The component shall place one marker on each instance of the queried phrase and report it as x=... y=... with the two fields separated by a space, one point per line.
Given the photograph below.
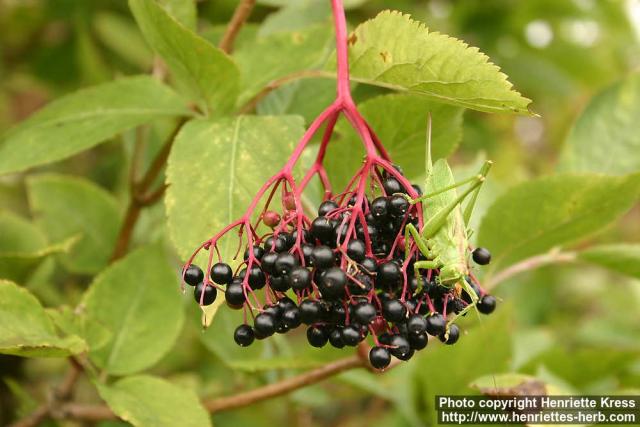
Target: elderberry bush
x=345 y=275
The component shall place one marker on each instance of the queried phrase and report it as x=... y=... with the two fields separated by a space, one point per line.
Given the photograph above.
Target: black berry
x=317 y=336
x=193 y=275
x=221 y=273
x=299 y=279
x=486 y=304
x=244 y=335
x=209 y=296
x=265 y=323
x=436 y=324
x=379 y=357
x=394 y=310
x=326 y=207
x=322 y=257
x=356 y=250
x=454 y=334
x=234 y=294
x=309 y=311
x=364 y=312
x=481 y=256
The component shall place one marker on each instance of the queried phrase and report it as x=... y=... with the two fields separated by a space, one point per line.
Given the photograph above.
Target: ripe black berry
x=379 y=357
x=309 y=311
x=399 y=206
x=356 y=250
x=326 y=207
x=279 y=283
x=370 y=265
x=322 y=229
x=364 y=312
x=299 y=279
x=332 y=283
x=307 y=250
x=481 y=256
x=285 y=263
x=210 y=294
x=486 y=304
x=335 y=338
x=351 y=335
x=258 y=252
x=291 y=318
x=418 y=341
x=257 y=279
x=265 y=323
x=380 y=208
x=275 y=244
x=436 y=324
x=221 y=273
x=400 y=347
x=193 y=275
x=244 y=335
x=392 y=186
x=322 y=257
x=389 y=274
x=268 y=262
x=416 y=324
x=317 y=336
x=394 y=310
x=454 y=334
x=234 y=294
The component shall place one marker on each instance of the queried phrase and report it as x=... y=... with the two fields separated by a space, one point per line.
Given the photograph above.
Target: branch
x=552 y=257
x=140 y=195
x=285 y=386
x=62 y=393
x=240 y=16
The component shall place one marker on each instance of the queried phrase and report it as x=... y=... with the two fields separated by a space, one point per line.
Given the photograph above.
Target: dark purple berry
x=322 y=229
x=392 y=186
x=351 y=335
x=234 y=294
x=221 y=273
x=400 y=347
x=332 y=283
x=265 y=323
x=436 y=324
x=322 y=257
x=299 y=279
x=418 y=341
x=268 y=262
x=257 y=279
x=307 y=250
x=364 y=312
x=380 y=208
x=258 y=252
x=326 y=207
x=416 y=324
x=309 y=311
x=244 y=335
x=486 y=304
x=379 y=357
x=393 y=310
x=356 y=250
x=481 y=256
x=335 y=338
x=193 y=275
x=389 y=274
x=452 y=338
x=279 y=283
x=285 y=263
x=317 y=336
x=399 y=206
x=370 y=265
x=275 y=244
x=209 y=296
x=291 y=318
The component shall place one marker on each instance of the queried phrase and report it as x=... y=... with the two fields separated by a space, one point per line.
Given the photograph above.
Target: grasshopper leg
x=421 y=242
x=474 y=300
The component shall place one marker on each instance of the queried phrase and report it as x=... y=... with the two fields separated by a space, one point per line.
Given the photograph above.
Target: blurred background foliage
x=575 y=327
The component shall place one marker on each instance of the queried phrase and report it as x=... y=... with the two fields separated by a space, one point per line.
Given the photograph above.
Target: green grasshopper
x=443 y=239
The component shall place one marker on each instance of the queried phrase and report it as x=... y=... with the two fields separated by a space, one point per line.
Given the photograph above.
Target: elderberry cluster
x=345 y=275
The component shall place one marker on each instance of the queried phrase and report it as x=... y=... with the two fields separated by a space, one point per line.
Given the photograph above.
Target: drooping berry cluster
x=345 y=274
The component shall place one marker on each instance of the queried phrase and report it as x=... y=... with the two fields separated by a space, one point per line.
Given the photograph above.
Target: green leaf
x=138 y=300
x=400 y=121
x=306 y=97
x=184 y=11
x=67 y=206
x=205 y=71
x=83 y=119
x=538 y=215
x=281 y=55
x=622 y=257
x=25 y=329
x=465 y=361
x=216 y=167
x=23 y=246
x=147 y=401
x=122 y=37
x=605 y=137
x=76 y=322
x=394 y=51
